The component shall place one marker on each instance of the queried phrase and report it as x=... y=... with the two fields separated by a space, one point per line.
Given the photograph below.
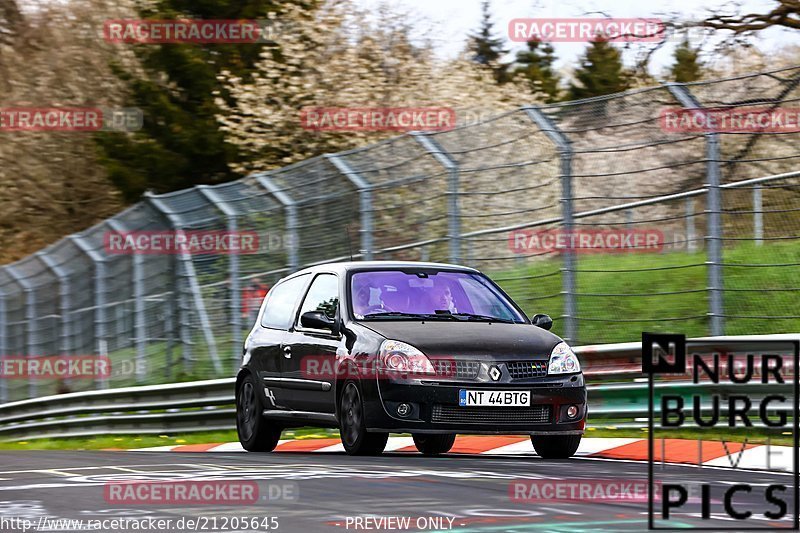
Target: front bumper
x=435 y=407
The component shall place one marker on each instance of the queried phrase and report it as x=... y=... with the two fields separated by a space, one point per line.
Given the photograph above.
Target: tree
x=181 y=144
x=50 y=181
x=341 y=58
x=601 y=72
x=786 y=14
x=487 y=49
x=12 y=22
x=537 y=68
x=687 y=65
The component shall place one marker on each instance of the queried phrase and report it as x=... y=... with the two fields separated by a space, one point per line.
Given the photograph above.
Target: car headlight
x=398 y=356
x=563 y=360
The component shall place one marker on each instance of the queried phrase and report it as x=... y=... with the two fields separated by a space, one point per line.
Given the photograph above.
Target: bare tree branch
x=786 y=14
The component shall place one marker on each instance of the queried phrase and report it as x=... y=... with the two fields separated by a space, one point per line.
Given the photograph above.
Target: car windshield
x=396 y=295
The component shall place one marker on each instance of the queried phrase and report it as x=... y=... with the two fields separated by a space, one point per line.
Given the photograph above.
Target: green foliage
x=536 y=65
x=601 y=72
x=181 y=144
x=641 y=277
x=687 y=65
x=487 y=50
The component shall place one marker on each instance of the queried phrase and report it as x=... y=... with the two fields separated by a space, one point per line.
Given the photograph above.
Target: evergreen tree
x=487 y=49
x=687 y=65
x=601 y=72
x=181 y=143
x=536 y=65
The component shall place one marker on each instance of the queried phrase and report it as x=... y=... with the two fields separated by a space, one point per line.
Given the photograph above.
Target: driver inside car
x=365 y=301
x=443 y=299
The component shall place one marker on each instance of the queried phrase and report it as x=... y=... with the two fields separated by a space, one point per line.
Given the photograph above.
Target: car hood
x=452 y=339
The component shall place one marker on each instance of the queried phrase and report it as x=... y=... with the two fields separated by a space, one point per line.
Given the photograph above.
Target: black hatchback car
x=430 y=349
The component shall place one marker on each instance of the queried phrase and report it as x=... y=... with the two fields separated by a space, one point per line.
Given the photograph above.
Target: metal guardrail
x=208 y=405
x=185 y=407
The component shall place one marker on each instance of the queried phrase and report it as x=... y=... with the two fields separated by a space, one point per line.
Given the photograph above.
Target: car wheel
x=352 y=424
x=434 y=444
x=556 y=446
x=256 y=433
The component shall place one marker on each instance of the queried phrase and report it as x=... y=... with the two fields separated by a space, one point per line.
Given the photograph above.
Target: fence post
x=3 y=343
x=691 y=245
x=233 y=273
x=99 y=262
x=139 y=322
x=564 y=147
x=291 y=217
x=714 y=209
x=758 y=215
x=453 y=205
x=364 y=189
x=31 y=333
x=65 y=305
x=194 y=286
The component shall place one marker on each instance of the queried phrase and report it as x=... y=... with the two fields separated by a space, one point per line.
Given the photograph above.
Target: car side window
x=322 y=296
x=281 y=302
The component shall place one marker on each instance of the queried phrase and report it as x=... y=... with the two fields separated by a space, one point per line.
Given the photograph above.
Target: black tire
x=433 y=444
x=352 y=424
x=556 y=446
x=256 y=433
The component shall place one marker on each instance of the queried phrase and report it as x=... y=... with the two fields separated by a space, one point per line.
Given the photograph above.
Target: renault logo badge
x=494 y=373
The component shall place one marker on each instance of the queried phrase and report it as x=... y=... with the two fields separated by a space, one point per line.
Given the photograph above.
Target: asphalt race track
x=326 y=492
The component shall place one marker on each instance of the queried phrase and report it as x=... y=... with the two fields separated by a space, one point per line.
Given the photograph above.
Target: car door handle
x=287 y=352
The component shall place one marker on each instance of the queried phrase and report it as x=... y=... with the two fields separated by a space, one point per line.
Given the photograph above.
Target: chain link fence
x=722 y=205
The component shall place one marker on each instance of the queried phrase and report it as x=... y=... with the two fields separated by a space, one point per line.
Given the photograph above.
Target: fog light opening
x=403 y=409
x=572 y=411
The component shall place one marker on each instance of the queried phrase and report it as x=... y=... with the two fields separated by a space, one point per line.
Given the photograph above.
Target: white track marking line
x=217 y=467
x=396 y=443
x=515 y=448
x=228 y=447
x=125 y=469
x=58 y=473
x=82 y=468
x=781 y=457
x=590 y=446
x=393 y=444
x=331 y=448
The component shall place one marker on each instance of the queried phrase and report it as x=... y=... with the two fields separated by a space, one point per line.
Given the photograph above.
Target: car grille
x=527 y=369
x=462 y=370
x=536 y=414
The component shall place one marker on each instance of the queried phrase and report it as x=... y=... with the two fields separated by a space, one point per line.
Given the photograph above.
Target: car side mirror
x=317 y=320
x=543 y=321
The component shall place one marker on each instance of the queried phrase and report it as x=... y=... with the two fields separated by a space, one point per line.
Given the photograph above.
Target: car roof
x=343 y=267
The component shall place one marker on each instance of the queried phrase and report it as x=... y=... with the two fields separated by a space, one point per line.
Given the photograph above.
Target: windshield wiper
x=395 y=314
x=483 y=318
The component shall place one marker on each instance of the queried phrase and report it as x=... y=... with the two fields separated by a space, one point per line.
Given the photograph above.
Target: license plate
x=497 y=398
